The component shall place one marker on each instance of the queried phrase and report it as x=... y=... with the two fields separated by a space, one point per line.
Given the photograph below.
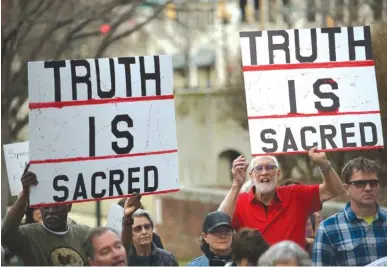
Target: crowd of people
x=261 y=222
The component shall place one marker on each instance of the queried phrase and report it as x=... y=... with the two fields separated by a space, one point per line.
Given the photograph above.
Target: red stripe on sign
x=322 y=65
x=322 y=150
x=296 y=115
x=97 y=101
x=46 y=161
x=96 y=199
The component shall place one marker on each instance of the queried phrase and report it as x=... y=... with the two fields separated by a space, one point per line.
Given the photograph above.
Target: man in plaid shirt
x=357 y=235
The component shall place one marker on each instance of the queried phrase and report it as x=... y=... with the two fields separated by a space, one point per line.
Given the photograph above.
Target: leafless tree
x=51 y=30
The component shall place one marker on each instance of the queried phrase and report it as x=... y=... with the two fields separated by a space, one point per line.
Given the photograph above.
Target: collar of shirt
x=351 y=216
x=252 y=194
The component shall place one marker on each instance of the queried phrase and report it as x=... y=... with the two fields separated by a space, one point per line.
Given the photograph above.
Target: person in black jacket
x=156 y=238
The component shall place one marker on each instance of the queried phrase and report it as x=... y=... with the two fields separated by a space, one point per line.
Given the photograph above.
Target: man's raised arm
x=239 y=167
x=332 y=185
x=9 y=229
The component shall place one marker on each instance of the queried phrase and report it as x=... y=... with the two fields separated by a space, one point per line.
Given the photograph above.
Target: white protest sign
x=102 y=128
x=114 y=219
x=311 y=87
x=16 y=159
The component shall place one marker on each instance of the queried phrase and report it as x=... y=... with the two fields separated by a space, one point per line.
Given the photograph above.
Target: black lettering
x=112 y=91
x=150 y=76
x=303 y=137
x=289 y=142
x=329 y=95
x=57 y=188
x=313 y=41
x=117 y=183
x=253 y=44
x=366 y=43
x=269 y=140
x=374 y=140
x=127 y=61
x=80 y=79
x=331 y=41
x=122 y=134
x=94 y=177
x=327 y=136
x=91 y=136
x=345 y=135
x=80 y=188
x=284 y=46
x=56 y=65
x=292 y=96
x=147 y=170
x=132 y=180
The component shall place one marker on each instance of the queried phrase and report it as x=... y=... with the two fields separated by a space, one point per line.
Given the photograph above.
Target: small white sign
x=16 y=159
x=114 y=219
x=102 y=128
x=311 y=87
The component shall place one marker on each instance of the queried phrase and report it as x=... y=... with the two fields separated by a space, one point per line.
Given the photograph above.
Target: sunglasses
x=362 y=183
x=269 y=167
x=139 y=228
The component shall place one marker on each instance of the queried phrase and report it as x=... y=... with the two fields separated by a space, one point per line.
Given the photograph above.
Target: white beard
x=265 y=188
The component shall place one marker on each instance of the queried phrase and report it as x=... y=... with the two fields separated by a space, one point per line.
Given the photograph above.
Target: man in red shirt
x=279 y=213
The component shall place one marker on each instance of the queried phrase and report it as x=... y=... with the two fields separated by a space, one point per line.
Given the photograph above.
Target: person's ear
x=204 y=236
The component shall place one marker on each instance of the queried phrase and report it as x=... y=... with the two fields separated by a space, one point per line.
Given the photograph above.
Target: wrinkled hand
x=319 y=158
x=28 y=179
x=132 y=204
x=239 y=168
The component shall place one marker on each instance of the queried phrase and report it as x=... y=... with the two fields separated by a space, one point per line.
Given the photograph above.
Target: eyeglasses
x=139 y=228
x=269 y=167
x=362 y=183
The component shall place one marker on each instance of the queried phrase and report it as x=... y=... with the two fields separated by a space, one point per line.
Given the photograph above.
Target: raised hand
x=239 y=168
x=320 y=158
x=132 y=204
x=28 y=179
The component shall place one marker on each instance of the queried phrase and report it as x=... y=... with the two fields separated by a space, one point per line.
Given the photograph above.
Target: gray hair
x=88 y=244
x=274 y=159
x=143 y=213
x=285 y=250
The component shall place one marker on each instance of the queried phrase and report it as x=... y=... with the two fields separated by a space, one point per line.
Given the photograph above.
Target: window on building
x=225 y=160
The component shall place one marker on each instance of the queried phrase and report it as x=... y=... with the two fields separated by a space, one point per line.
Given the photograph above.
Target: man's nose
x=367 y=187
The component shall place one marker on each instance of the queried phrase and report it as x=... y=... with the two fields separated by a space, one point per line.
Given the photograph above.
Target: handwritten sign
x=114 y=219
x=311 y=87
x=16 y=159
x=102 y=128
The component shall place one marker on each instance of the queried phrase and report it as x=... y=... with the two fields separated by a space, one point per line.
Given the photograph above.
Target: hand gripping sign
x=102 y=128
x=311 y=87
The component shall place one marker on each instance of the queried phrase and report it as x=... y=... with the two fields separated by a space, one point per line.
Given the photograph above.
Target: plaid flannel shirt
x=345 y=240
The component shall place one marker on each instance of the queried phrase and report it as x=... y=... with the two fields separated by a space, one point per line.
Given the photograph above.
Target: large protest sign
x=102 y=128
x=311 y=87
x=16 y=159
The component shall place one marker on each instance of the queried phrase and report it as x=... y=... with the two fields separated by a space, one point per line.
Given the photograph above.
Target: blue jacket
x=199 y=261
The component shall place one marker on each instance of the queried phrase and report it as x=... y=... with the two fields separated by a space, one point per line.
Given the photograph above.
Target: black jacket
x=160 y=257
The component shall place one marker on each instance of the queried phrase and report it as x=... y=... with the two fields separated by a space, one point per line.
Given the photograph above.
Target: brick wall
x=182 y=226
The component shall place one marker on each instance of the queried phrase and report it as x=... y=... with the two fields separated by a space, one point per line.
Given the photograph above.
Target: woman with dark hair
x=216 y=240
